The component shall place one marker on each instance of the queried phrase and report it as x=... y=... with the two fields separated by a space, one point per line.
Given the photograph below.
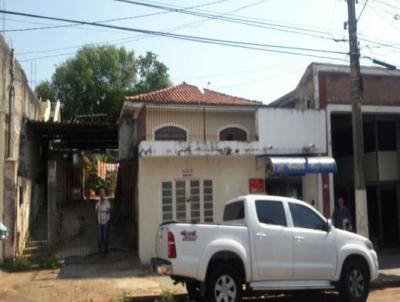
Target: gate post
x=51 y=205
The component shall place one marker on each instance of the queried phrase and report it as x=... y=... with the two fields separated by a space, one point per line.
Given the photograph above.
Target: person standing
x=103 y=213
x=342 y=217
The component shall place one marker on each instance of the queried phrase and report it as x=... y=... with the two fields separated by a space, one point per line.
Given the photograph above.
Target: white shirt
x=103 y=209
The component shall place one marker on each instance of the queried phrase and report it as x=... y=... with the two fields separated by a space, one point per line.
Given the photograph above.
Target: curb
x=381 y=284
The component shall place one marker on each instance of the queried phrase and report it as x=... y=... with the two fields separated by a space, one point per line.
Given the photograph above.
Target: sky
x=248 y=73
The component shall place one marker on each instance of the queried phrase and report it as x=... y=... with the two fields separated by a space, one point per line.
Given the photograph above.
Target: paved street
x=386 y=295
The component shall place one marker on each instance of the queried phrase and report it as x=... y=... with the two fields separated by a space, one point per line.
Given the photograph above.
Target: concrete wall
x=287 y=131
x=19 y=167
x=310 y=190
x=230 y=176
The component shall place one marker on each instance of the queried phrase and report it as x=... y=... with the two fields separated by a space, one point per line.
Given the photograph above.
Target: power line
x=138 y=37
x=243 y=21
x=362 y=11
x=114 y=19
x=231 y=43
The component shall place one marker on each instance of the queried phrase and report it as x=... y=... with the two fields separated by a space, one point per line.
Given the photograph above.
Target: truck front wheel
x=354 y=282
x=224 y=285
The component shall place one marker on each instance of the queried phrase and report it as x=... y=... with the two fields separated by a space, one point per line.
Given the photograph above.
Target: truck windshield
x=234 y=211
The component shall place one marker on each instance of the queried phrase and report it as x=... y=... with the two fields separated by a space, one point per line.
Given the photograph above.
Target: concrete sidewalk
x=389 y=269
x=102 y=280
x=92 y=279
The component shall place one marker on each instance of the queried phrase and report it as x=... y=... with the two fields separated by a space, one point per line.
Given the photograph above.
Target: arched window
x=232 y=134
x=170 y=133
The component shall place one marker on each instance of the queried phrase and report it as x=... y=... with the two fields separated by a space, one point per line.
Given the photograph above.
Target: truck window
x=271 y=212
x=234 y=211
x=303 y=217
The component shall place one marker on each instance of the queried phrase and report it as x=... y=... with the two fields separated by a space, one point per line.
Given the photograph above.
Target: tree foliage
x=92 y=85
x=45 y=91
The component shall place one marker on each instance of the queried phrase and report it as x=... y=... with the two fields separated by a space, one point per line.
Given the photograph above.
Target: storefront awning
x=300 y=165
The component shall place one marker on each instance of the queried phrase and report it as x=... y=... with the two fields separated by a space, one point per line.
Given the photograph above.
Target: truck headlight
x=369 y=244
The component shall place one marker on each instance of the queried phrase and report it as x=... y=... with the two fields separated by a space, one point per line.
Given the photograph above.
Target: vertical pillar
x=51 y=204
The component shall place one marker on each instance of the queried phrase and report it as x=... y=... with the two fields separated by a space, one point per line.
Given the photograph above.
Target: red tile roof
x=190 y=94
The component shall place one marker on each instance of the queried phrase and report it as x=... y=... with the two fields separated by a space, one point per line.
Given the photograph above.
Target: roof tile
x=189 y=94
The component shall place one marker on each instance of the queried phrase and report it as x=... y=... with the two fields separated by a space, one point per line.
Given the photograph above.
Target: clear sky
x=252 y=74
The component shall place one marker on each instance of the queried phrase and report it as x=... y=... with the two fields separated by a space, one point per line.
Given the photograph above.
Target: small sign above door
x=187 y=172
x=256 y=185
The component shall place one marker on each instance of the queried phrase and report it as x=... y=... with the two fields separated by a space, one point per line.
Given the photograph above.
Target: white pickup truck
x=266 y=243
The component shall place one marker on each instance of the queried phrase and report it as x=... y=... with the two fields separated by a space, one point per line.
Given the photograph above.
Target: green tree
x=45 y=91
x=92 y=85
x=152 y=74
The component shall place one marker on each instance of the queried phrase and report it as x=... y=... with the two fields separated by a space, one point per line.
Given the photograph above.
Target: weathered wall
x=288 y=131
x=230 y=176
x=21 y=161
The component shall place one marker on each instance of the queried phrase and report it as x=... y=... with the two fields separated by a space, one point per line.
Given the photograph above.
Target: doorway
x=390 y=217
x=383 y=214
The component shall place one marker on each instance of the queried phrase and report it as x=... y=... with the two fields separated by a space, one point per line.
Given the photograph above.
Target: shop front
x=299 y=177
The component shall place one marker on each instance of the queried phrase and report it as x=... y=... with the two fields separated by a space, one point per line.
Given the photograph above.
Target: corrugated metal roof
x=78 y=135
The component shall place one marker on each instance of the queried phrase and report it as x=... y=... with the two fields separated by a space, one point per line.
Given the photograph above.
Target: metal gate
x=74 y=184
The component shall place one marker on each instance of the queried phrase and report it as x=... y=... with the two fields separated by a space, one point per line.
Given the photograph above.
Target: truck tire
x=193 y=291
x=354 y=282
x=224 y=285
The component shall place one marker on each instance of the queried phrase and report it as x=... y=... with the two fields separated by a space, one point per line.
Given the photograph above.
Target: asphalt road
x=384 y=295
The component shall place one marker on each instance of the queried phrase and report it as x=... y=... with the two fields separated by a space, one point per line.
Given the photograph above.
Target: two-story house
x=195 y=150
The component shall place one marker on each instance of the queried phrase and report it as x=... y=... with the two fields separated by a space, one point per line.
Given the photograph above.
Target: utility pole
x=357 y=123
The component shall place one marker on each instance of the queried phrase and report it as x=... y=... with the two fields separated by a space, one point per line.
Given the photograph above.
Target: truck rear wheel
x=224 y=285
x=354 y=282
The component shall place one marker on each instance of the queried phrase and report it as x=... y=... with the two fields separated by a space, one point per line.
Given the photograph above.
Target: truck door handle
x=261 y=235
x=299 y=238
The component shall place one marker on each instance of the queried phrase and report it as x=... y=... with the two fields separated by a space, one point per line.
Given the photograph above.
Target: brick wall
x=383 y=90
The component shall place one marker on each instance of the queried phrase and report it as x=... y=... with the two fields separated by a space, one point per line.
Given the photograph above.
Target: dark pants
x=104 y=232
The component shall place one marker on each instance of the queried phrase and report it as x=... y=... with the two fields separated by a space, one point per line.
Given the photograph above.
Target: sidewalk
x=85 y=280
x=96 y=279
x=389 y=269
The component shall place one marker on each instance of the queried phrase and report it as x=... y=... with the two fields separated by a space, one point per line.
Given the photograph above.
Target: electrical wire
x=124 y=41
x=114 y=19
x=248 y=22
x=231 y=43
x=362 y=10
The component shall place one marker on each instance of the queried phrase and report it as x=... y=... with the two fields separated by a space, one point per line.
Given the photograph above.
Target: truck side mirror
x=328 y=225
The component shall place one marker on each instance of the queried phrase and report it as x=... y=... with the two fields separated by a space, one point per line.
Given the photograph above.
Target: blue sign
x=300 y=165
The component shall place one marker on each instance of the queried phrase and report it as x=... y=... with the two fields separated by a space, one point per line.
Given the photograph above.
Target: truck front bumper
x=161 y=266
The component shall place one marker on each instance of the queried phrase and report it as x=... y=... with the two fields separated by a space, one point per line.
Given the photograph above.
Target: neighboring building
x=328 y=88
x=21 y=185
x=194 y=149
